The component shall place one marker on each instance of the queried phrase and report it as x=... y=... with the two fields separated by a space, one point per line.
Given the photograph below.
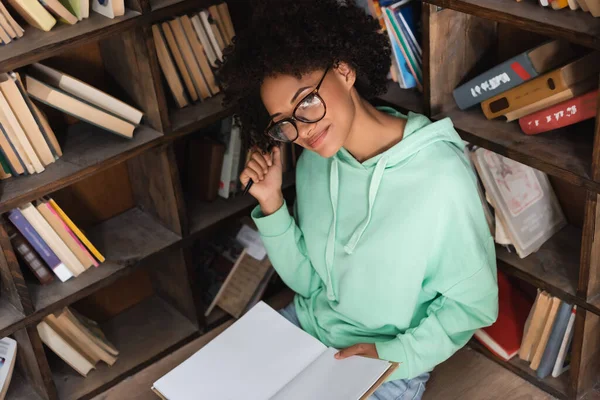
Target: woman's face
x=282 y=93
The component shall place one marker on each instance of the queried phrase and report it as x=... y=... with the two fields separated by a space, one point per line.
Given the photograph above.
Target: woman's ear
x=347 y=74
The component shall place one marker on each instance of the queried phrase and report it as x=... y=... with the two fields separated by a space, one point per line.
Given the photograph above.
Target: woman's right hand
x=266 y=172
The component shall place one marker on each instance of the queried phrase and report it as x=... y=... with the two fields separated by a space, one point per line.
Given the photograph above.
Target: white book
x=559 y=366
x=227 y=168
x=204 y=16
x=263 y=356
x=118 y=7
x=49 y=235
x=8 y=355
x=210 y=53
x=63 y=349
x=87 y=93
x=85 y=8
x=104 y=7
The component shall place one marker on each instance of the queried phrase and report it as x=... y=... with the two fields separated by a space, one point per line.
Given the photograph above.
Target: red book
x=562 y=114
x=503 y=338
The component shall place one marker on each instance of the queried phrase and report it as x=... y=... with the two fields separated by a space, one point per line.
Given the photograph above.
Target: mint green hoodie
x=394 y=251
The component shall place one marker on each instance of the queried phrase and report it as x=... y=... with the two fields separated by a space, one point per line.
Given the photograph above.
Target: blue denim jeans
x=400 y=389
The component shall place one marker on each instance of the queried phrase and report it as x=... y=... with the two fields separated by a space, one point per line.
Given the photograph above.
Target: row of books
x=591 y=6
x=539 y=331
x=188 y=47
x=8 y=356
x=9 y=28
x=545 y=88
x=77 y=340
x=399 y=19
x=43 y=14
x=27 y=142
x=520 y=205
x=49 y=243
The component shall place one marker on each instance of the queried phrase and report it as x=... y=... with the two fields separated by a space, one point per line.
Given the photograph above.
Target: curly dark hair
x=296 y=37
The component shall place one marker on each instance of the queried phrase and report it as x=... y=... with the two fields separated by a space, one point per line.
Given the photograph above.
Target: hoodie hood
x=419 y=132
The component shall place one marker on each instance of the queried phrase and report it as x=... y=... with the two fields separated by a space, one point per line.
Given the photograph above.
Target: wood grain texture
x=589 y=274
x=596 y=153
x=565 y=153
x=12 y=283
x=585 y=361
x=156 y=187
x=447 y=63
x=577 y=27
x=33 y=364
x=126 y=58
x=127 y=241
x=85 y=152
x=142 y=334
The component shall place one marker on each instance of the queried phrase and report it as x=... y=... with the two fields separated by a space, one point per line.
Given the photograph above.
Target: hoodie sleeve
x=285 y=245
x=462 y=277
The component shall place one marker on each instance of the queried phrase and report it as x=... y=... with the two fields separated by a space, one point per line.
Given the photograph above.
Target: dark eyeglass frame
x=292 y=120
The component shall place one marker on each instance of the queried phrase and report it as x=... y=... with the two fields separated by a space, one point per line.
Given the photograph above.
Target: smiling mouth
x=317 y=137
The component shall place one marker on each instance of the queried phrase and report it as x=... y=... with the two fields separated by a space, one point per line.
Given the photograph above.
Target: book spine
x=553 y=346
x=29 y=256
x=16 y=217
x=560 y=115
x=501 y=78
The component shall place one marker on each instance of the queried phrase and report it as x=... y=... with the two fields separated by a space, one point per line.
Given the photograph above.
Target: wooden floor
x=467 y=375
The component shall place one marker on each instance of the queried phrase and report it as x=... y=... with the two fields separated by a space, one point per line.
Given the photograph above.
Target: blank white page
x=252 y=360
x=331 y=379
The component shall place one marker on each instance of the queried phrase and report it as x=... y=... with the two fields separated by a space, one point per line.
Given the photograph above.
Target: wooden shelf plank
x=124 y=240
x=203 y=215
x=402 y=99
x=565 y=153
x=198 y=115
x=36 y=45
x=9 y=315
x=576 y=26
x=142 y=334
x=20 y=389
x=554 y=267
x=86 y=150
x=557 y=387
x=158 y=4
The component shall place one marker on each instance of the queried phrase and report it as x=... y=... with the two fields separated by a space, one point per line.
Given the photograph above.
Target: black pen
x=248 y=186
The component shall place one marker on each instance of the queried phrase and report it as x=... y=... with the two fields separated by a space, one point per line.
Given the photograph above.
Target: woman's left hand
x=361 y=349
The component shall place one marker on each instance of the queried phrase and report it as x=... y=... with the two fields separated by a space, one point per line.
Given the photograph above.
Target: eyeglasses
x=311 y=109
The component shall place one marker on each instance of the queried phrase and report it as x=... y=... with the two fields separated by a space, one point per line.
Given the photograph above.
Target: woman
x=388 y=251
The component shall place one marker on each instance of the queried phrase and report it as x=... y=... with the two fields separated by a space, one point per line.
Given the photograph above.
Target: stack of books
x=45 y=239
x=8 y=356
x=9 y=28
x=544 y=88
x=399 y=19
x=540 y=331
x=189 y=48
x=77 y=340
x=591 y=6
x=44 y=14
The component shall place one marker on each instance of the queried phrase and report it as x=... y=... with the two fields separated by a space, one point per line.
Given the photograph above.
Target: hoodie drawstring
x=360 y=230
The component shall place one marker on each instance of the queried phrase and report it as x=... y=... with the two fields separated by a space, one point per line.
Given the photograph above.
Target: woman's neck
x=373 y=131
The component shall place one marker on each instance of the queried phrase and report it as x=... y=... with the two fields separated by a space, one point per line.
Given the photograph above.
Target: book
x=555 y=340
x=74 y=7
x=522 y=198
x=92 y=328
x=583 y=5
x=293 y=365
x=34 y=14
x=65 y=350
x=559 y=4
x=10 y=153
x=503 y=337
x=78 y=108
x=52 y=239
x=16 y=27
x=563 y=360
x=513 y=72
x=563 y=83
x=206 y=20
x=204 y=40
x=563 y=114
x=28 y=255
x=200 y=55
x=8 y=357
x=534 y=325
x=84 y=7
x=216 y=16
x=77 y=231
x=223 y=10
x=181 y=65
x=59 y=11
x=5 y=37
x=104 y=7
x=204 y=154
x=42 y=249
x=87 y=93
x=540 y=348
x=168 y=68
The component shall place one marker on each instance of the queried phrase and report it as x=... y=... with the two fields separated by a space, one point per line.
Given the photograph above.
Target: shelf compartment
x=36 y=45
x=565 y=153
x=576 y=26
x=557 y=387
x=142 y=334
x=9 y=315
x=198 y=115
x=86 y=150
x=124 y=240
x=20 y=389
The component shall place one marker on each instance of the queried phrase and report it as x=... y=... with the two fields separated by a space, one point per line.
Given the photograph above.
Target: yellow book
x=34 y=13
x=77 y=232
x=558 y=4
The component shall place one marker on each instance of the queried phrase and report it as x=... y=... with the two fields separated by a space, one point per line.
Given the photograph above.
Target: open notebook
x=265 y=357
